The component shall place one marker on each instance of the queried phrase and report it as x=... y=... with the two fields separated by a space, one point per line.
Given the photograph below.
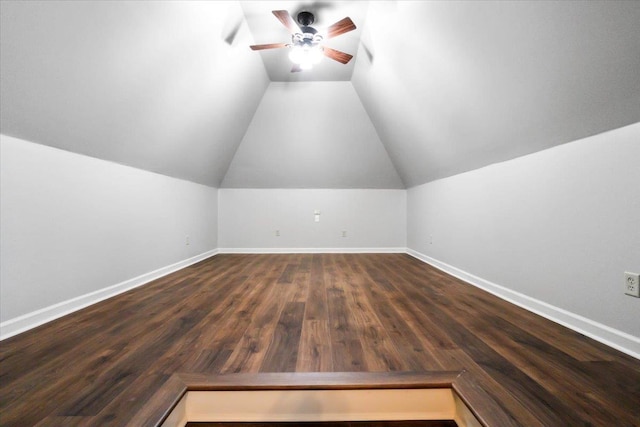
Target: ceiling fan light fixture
x=306 y=55
x=306 y=66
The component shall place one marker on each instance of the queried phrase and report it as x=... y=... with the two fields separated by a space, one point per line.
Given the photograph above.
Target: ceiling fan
x=306 y=42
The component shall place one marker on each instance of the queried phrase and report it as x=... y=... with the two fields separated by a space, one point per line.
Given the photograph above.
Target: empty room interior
x=260 y=213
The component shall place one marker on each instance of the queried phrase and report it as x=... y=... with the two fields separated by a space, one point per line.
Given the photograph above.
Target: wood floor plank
x=314 y=352
x=282 y=354
x=113 y=381
x=145 y=385
x=543 y=362
x=252 y=346
x=379 y=352
x=301 y=279
x=309 y=313
x=346 y=348
x=233 y=313
x=549 y=409
x=317 y=297
x=65 y=421
x=429 y=299
x=416 y=348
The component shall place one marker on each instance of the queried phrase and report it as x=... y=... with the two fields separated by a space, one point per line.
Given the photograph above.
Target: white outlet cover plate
x=632 y=284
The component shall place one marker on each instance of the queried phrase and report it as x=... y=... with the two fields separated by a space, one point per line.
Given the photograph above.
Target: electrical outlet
x=277 y=233
x=344 y=233
x=632 y=284
x=186 y=241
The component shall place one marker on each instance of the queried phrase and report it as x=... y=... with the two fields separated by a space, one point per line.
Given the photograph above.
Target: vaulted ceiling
x=434 y=88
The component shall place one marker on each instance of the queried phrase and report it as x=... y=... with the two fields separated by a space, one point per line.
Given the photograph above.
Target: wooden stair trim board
x=319 y=380
x=486 y=411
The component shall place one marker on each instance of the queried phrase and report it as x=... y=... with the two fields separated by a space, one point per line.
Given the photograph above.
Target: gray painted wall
x=71 y=224
x=561 y=225
x=373 y=219
x=311 y=135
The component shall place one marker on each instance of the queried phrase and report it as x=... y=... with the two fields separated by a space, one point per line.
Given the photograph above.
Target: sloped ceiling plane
x=433 y=89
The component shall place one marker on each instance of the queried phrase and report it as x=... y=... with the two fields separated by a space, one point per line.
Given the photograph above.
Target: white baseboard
x=312 y=250
x=619 y=340
x=28 y=321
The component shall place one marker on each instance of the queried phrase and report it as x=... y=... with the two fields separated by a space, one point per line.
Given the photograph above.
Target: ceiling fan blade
x=268 y=46
x=296 y=68
x=342 y=26
x=286 y=19
x=336 y=55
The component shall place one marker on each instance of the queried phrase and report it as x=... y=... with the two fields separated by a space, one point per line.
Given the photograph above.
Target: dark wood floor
x=309 y=313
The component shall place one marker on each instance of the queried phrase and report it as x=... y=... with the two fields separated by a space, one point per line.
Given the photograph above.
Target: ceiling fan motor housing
x=305 y=18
